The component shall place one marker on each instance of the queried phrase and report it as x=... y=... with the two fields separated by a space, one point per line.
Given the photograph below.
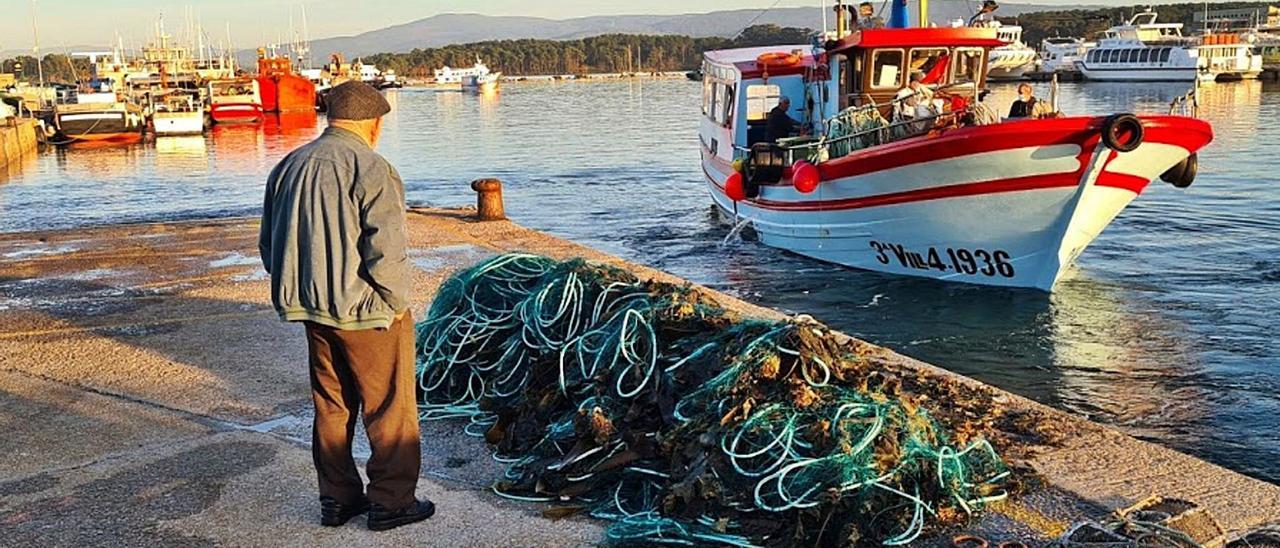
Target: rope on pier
x=649 y=405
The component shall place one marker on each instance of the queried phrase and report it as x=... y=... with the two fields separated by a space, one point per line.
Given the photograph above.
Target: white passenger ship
x=1144 y=50
x=1141 y=50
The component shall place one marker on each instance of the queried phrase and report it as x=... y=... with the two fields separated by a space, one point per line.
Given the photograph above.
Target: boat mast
x=35 y=30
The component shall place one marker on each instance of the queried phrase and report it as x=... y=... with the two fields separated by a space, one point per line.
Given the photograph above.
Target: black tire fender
x=1183 y=173
x=1114 y=127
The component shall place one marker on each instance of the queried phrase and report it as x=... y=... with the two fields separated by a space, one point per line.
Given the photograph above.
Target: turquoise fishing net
x=650 y=406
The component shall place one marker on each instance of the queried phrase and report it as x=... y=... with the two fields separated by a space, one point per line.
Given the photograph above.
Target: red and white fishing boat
x=939 y=186
x=235 y=100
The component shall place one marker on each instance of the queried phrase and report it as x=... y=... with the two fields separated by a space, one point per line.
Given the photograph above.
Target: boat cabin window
x=1145 y=56
x=1113 y=56
x=933 y=62
x=1164 y=54
x=761 y=98
x=717 y=101
x=886 y=69
x=968 y=66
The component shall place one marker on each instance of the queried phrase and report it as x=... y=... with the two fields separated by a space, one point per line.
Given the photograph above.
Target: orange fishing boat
x=283 y=90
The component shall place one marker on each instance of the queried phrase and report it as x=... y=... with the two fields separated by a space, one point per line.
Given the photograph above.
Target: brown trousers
x=373 y=369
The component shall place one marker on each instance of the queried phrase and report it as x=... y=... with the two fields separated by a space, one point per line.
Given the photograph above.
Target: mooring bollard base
x=489 y=199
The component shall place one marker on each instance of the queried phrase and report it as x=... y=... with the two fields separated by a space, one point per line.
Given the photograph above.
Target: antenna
x=35 y=30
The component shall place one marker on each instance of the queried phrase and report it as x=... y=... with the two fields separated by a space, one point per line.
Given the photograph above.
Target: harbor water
x=1165 y=328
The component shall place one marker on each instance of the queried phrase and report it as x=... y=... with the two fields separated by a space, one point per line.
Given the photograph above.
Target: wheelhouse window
x=968 y=66
x=886 y=69
x=761 y=98
x=932 y=62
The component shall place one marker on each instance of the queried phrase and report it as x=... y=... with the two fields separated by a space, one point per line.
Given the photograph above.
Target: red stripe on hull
x=1038 y=182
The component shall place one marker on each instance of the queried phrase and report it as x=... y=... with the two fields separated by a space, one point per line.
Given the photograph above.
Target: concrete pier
x=151 y=396
x=17 y=140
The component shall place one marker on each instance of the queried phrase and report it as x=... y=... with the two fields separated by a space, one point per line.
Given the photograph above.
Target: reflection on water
x=1166 y=326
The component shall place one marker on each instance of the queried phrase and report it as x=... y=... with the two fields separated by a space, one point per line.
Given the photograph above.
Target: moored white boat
x=1226 y=57
x=1014 y=59
x=943 y=192
x=177 y=113
x=1141 y=50
x=1060 y=55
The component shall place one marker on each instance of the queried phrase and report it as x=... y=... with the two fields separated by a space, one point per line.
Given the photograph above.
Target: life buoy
x=1122 y=132
x=1183 y=173
x=778 y=59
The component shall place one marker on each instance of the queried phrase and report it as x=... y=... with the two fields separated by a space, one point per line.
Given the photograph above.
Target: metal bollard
x=488 y=199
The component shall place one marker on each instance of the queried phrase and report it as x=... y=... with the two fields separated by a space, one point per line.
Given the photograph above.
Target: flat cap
x=353 y=100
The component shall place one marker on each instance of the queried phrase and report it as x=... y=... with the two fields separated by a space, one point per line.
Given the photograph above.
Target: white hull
x=1010 y=63
x=1016 y=238
x=178 y=123
x=1181 y=74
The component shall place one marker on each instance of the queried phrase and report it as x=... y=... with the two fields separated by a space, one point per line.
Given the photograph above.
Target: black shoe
x=381 y=519
x=336 y=514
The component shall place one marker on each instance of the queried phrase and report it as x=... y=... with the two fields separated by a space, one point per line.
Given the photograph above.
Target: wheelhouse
x=876 y=63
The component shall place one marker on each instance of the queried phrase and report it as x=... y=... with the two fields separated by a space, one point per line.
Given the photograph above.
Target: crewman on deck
x=867 y=18
x=333 y=240
x=1027 y=106
x=909 y=100
x=779 y=124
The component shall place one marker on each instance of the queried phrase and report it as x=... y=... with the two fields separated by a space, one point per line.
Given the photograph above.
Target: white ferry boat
x=1227 y=57
x=1060 y=55
x=942 y=190
x=1014 y=59
x=1141 y=50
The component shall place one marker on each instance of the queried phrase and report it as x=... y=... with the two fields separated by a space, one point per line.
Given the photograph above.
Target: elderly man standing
x=333 y=240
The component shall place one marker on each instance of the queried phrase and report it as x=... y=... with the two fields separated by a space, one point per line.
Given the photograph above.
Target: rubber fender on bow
x=1122 y=132
x=778 y=59
x=1183 y=173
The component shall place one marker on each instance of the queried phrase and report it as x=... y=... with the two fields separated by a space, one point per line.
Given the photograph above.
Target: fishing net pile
x=648 y=405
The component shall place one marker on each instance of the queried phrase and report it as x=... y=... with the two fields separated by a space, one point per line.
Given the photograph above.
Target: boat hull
x=1171 y=74
x=1008 y=205
x=236 y=113
x=178 y=123
x=107 y=125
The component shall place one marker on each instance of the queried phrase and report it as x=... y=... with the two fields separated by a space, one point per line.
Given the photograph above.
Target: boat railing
x=1187 y=104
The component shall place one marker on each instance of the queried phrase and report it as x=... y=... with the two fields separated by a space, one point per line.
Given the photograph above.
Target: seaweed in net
x=649 y=405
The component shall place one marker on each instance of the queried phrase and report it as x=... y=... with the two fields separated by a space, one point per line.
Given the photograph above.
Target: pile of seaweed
x=649 y=405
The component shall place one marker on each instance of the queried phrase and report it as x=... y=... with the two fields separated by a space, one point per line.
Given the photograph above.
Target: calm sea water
x=1166 y=328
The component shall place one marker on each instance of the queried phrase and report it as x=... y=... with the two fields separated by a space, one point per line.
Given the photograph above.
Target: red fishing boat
x=235 y=100
x=902 y=168
x=282 y=89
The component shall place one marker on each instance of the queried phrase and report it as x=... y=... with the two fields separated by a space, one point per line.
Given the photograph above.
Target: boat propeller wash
x=649 y=405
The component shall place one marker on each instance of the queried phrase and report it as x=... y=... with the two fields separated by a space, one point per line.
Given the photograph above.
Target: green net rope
x=650 y=406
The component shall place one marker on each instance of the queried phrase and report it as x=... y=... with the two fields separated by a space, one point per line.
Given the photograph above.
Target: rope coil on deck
x=650 y=406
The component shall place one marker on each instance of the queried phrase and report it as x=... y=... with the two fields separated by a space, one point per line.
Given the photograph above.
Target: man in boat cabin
x=1027 y=106
x=915 y=100
x=779 y=125
x=867 y=18
x=333 y=240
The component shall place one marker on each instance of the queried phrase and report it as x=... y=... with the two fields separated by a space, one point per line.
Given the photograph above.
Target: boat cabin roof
x=919 y=37
x=744 y=59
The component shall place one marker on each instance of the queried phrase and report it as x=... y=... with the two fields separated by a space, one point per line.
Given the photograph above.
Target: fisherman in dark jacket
x=779 y=124
x=333 y=240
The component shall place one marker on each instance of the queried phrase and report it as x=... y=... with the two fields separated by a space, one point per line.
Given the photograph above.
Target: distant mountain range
x=442 y=30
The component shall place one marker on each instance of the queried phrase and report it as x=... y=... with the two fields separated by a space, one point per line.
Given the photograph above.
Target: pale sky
x=253 y=22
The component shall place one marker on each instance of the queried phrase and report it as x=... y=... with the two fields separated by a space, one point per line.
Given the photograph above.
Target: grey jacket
x=333 y=236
